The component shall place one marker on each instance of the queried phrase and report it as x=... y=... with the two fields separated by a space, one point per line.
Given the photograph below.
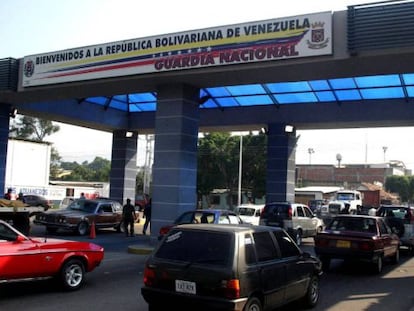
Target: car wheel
x=326 y=262
x=378 y=265
x=83 y=228
x=72 y=274
x=312 y=294
x=298 y=237
x=51 y=230
x=253 y=304
x=396 y=257
x=121 y=227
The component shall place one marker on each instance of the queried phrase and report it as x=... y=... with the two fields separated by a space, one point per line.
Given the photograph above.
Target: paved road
x=115 y=285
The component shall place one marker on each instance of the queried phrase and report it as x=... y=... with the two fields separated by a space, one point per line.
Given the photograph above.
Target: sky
x=39 y=26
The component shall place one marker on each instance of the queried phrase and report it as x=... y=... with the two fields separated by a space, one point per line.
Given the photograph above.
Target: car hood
x=44 y=242
x=69 y=213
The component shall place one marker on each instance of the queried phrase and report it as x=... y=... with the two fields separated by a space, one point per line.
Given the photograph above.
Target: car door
x=272 y=270
x=299 y=219
x=311 y=222
x=297 y=271
x=18 y=258
x=390 y=243
x=106 y=216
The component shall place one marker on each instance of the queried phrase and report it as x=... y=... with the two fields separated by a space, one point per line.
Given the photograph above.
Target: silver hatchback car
x=296 y=218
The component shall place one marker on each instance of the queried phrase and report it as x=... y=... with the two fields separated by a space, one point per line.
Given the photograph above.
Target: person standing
x=147 y=215
x=129 y=217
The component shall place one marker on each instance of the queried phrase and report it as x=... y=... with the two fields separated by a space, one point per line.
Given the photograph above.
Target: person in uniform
x=129 y=217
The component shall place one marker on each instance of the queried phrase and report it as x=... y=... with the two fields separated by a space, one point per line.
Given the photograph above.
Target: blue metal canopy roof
x=392 y=86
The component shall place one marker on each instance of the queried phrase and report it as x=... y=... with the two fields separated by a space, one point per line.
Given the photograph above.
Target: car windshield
x=353 y=224
x=83 y=205
x=196 y=247
x=195 y=218
x=246 y=211
x=345 y=196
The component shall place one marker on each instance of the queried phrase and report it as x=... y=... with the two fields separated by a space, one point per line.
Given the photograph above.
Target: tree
x=218 y=163
x=32 y=128
x=98 y=170
x=55 y=168
x=403 y=185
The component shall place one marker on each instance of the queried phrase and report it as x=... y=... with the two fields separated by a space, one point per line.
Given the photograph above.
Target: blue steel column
x=280 y=177
x=123 y=166
x=4 y=139
x=175 y=154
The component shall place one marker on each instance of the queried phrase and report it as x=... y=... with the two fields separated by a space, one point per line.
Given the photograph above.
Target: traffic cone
x=92 y=234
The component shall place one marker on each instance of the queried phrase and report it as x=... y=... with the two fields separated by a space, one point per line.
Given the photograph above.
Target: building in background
x=349 y=176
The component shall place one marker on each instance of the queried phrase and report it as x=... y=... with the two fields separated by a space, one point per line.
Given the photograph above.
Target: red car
x=25 y=258
x=357 y=238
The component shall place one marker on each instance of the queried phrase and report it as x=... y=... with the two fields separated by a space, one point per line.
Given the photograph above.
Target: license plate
x=185 y=287
x=343 y=244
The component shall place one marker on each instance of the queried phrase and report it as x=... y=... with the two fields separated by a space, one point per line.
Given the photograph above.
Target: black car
x=229 y=267
x=37 y=200
x=401 y=219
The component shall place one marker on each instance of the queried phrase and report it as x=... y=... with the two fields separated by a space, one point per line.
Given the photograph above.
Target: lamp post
x=339 y=159
x=240 y=170
x=310 y=151
x=384 y=148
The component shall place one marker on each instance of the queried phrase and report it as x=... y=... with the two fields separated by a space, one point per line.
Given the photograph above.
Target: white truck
x=345 y=202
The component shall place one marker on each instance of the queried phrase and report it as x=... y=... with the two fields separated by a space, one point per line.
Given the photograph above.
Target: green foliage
x=403 y=185
x=32 y=128
x=218 y=163
x=98 y=170
x=54 y=163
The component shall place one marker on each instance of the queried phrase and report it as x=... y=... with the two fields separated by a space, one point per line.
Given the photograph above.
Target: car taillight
x=149 y=276
x=321 y=242
x=366 y=246
x=290 y=212
x=231 y=288
x=164 y=230
x=410 y=216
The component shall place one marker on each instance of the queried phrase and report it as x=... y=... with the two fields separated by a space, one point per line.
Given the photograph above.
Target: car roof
x=395 y=206
x=226 y=227
x=255 y=206
x=212 y=210
x=357 y=216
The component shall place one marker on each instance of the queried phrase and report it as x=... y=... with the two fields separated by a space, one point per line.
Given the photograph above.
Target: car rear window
x=276 y=209
x=399 y=212
x=353 y=224
x=212 y=248
x=246 y=211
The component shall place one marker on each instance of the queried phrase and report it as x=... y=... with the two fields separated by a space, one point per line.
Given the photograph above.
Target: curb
x=140 y=250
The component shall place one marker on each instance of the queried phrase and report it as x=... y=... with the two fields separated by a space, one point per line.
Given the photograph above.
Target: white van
x=250 y=213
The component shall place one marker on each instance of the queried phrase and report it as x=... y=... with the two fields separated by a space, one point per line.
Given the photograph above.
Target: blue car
x=207 y=216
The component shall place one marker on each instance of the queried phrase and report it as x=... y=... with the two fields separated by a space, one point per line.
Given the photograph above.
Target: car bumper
x=348 y=254
x=55 y=225
x=175 y=301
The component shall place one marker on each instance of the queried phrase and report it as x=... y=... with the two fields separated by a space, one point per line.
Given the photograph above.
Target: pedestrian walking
x=129 y=217
x=147 y=215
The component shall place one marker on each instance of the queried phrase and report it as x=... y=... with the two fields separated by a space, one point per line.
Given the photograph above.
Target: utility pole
x=384 y=148
x=310 y=151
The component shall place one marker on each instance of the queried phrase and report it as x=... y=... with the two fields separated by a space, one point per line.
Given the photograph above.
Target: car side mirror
x=20 y=239
x=306 y=255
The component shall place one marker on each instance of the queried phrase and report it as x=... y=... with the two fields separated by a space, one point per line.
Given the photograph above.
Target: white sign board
x=269 y=40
